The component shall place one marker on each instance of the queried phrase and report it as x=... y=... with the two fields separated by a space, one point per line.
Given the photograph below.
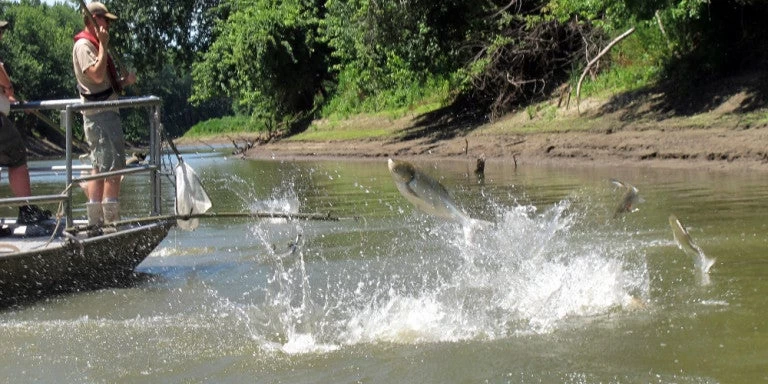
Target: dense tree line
x=37 y=51
x=282 y=61
x=279 y=59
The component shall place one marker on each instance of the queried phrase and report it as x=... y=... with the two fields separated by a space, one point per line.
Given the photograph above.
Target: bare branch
x=593 y=61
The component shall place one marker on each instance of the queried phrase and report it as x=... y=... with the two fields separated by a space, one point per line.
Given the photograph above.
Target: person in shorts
x=98 y=80
x=13 y=149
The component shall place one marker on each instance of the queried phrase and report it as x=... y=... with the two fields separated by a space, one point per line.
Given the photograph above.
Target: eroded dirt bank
x=726 y=128
x=661 y=144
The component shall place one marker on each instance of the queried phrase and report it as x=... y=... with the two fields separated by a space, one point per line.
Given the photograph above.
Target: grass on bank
x=224 y=125
x=334 y=127
x=365 y=125
x=539 y=117
x=338 y=123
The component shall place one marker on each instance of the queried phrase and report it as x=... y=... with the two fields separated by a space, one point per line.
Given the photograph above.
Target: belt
x=98 y=96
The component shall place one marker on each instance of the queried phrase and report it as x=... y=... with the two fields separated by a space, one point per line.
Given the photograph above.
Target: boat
x=64 y=254
x=40 y=266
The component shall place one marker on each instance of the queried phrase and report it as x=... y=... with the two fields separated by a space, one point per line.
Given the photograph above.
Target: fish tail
x=706 y=263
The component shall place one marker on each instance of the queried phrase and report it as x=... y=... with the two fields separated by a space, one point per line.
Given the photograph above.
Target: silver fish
x=426 y=193
x=293 y=246
x=684 y=241
x=629 y=200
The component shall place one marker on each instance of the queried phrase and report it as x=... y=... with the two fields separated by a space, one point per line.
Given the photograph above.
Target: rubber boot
x=111 y=211
x=95 y=213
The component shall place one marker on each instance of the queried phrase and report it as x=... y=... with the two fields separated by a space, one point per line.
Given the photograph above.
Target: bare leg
x=112 y=188
x=96 y=188
x=84 y=185
x=18 y=177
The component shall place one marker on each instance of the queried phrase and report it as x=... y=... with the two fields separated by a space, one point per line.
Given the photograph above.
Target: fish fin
x=679 y=225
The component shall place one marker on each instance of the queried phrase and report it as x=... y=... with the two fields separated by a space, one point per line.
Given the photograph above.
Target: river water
x=556 y=290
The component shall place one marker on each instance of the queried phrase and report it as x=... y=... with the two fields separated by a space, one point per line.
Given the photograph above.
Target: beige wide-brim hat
x=98 y=9
x=3 y=24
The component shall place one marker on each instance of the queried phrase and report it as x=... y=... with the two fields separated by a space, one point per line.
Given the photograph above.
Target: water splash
x=534 y=271
x=530 y=273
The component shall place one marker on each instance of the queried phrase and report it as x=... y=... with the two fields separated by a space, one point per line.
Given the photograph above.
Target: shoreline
x=601 y=134
x=712 y=149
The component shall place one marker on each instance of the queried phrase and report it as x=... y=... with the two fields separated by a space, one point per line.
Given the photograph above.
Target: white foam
x=305 y=343
x=406 y=320
x=529 y=273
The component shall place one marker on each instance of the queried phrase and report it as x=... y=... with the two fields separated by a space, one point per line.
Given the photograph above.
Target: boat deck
x=35 y=266
x=50 y=256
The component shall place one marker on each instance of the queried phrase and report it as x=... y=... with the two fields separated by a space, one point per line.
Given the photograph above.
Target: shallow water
x=555 y=290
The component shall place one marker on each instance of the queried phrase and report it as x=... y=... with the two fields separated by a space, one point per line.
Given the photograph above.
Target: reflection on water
x=556 y=290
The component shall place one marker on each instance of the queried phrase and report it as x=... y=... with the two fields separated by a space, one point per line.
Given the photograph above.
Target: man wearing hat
x=13 y=149
x=98 y=80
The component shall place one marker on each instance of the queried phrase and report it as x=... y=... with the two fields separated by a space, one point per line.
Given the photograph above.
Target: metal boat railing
x=68 y=108
x=15 y=201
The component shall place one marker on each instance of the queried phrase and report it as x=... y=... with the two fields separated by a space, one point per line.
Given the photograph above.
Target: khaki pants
x=104 y=135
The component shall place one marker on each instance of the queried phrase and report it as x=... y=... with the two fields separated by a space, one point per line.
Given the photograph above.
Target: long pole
x=226 y=215
x=68 y=129
x=154 y=158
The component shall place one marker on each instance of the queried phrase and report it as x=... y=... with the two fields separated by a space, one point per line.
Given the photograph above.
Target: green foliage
x=160 y=41
x=347 y=100
x=700 y=38
x=153 y=35
x=391 y=54
x=37 y=49
x=716 y=38
x=635 y=63
x=276 y=62
x=266 y=59
x=223 y=125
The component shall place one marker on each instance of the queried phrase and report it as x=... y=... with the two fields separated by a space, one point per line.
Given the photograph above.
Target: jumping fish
x=629 y=200
x=426 y=193
x=293 y=246
x=684 y=241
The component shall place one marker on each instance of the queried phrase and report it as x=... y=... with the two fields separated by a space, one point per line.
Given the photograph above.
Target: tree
x=161 y=40
x=522 y=53
x=266 y=58
x=37 y=50
x=153 y=35
x=394 y=47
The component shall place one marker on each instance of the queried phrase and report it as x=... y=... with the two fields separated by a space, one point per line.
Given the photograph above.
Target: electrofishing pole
x=225 y=215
